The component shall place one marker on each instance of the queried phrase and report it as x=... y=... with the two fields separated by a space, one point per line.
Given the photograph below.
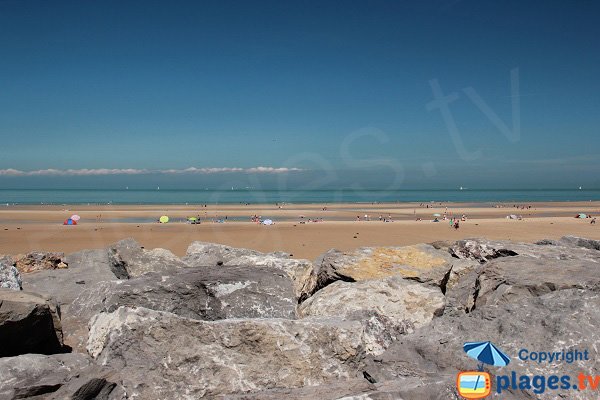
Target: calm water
x=64 y=196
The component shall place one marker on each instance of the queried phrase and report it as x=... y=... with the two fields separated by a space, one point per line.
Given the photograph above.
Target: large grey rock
x=509 y=280
x=39 y=261
x=301 y=272
x=405 y=302
x=422 y=263
x=562 y=319
x=580 y=242
x=9 y=275
x=85 y=268
x=59 y=376
x=128 y=259
x=31 y=375
x=484 y=250
x=204 y=254
x=210 y=254
x=29 y=323
x=163 y=356
x=510 y=270
x=209 y=293
x=481 y=250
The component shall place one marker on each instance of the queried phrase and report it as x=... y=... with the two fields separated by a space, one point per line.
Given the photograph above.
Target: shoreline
x=28 y=228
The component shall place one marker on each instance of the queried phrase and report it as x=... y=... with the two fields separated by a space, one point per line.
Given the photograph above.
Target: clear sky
x=116 y=92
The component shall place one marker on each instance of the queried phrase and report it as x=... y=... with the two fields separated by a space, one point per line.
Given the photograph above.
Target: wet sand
x=27 y=228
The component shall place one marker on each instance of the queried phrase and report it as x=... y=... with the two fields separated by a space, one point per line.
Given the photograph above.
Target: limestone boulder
x=407 y=302
x=39 y=261
x=483 y=250
x=301 y=271
x=85 y=268
x=163 y=356
x=210 y=293
x=128 y=259
x=29 y=323
x=422 y=263
x=509 y=280
x=10 y=278
x=565 y=319
x=58 y=376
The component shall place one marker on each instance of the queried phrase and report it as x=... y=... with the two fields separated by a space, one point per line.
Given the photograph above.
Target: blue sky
x=333 y=89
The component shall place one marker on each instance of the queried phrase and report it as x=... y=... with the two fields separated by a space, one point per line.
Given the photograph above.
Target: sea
x=242 y=196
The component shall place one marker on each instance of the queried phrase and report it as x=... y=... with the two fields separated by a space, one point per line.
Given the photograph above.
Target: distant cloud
x=132 y=171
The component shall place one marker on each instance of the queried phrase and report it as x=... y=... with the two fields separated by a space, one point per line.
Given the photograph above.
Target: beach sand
x=28 y=228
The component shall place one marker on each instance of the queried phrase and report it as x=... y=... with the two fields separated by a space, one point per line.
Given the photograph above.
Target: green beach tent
x=164 y=219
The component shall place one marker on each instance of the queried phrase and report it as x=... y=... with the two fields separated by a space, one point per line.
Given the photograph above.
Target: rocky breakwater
x=231 y=323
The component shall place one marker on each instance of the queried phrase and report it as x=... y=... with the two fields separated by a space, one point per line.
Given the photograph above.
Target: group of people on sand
x=381 y=218
x=304 y=220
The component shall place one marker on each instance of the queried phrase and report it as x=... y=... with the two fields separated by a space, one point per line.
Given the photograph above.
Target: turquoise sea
x=186 y=196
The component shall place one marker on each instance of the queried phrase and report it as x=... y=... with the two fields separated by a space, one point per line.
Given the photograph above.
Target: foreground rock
x=407 y=303
x=568 y=248
x=210 y=293
x=9 y=275
x=563 y=319
x=509 y=280
x=29 y=323
x=85 y=268
x=39 y=261
x=60 y=376
x=164 y=356
x=422 y=263
x=575 y=241
x=300 y=271
x=129 y=260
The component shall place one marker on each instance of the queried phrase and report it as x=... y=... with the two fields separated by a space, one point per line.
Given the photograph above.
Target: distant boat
x=579 y=187
x=461 y=188
x=158 y=188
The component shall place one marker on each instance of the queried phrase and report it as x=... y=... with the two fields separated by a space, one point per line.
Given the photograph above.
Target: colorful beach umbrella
x=437 y=215
x=487 y=353
x=70 y=222
x=164 y=219
x=75 y=217
x=268 y=222
x=192 y=219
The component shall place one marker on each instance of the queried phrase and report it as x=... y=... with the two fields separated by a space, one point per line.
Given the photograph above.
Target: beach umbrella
x=164 y=219
x=437 y=215
x=75 y=217
x=582 y=216
x=69 y=222
x=268 y=222
x=486 y=353
x=193 y=219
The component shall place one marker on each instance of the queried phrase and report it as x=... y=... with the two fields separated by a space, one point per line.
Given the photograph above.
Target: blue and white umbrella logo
x=486 y=353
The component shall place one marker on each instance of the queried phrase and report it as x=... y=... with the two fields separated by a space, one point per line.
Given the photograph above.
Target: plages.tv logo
x=478 y=384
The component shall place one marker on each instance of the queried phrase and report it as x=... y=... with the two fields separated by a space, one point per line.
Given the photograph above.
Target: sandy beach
x=28 y=228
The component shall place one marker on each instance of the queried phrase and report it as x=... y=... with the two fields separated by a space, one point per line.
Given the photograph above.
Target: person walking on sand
x=593 y=221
